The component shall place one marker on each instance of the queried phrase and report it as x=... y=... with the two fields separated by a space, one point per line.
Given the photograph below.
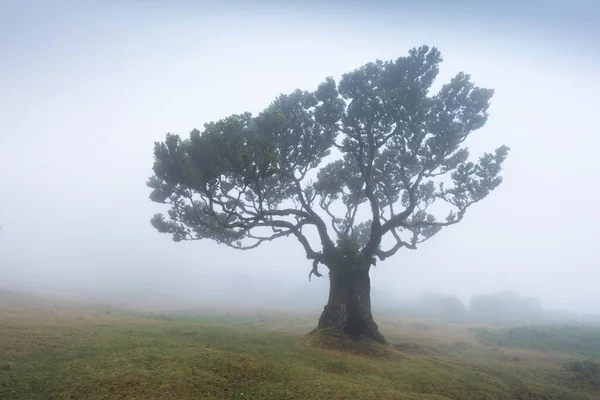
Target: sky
x=86 y=87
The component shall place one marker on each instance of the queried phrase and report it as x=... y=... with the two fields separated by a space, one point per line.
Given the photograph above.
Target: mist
x=87 y=87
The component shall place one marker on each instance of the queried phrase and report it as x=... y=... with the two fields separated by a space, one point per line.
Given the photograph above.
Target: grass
x=581 y=340
x=587 y=369
x=68 y=351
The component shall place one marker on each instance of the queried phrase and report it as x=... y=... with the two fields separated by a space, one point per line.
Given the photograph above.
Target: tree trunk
x=349 y=306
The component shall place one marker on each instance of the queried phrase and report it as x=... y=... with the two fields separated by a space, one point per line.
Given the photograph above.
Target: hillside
x=50 y=351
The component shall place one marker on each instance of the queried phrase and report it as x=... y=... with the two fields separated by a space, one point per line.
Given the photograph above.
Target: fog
x=87 y=87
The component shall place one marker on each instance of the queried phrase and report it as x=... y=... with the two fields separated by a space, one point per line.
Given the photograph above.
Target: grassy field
x=51 y=350
x=570 y=339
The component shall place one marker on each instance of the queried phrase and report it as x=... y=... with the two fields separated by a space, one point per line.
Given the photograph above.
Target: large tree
x=372 y=164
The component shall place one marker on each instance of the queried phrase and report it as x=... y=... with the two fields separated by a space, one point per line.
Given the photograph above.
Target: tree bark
x=349 y=306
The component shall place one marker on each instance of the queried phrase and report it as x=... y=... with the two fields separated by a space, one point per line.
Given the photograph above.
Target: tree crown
x=244 y=180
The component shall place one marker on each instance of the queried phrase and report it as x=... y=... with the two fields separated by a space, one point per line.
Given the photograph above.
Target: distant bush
x=581 y=340
x=588 y=370
x=445 y=307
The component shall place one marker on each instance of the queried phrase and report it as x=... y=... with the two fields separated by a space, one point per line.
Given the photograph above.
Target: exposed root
x=334 y=340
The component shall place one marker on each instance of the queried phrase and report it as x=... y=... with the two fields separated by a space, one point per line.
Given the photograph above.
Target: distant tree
x=244 y=180
x=442 y=306
x=488 y=308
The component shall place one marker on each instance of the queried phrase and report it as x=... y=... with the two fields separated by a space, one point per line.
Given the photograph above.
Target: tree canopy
x=377 y=139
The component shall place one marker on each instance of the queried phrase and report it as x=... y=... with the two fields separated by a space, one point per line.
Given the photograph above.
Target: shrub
x=588 y=370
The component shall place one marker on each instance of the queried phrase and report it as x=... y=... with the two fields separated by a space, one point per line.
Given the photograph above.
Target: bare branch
x=325 y=207
x=397 y=220
x=328 y=245
x=350 y=218
x=382 y=255
x=315 y=270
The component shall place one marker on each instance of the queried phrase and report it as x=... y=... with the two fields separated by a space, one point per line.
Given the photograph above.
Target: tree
x=397 y=151
x=442 y=306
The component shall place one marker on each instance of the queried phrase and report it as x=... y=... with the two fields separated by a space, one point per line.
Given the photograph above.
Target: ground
x=51 y=350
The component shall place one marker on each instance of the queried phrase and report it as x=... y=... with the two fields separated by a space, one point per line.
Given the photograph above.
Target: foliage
x=587 y=369
x=398 y=149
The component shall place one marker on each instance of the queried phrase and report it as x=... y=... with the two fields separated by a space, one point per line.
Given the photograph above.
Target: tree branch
x=396 y=220
x=315 y=270
x=328 y=245
x=325 y=207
